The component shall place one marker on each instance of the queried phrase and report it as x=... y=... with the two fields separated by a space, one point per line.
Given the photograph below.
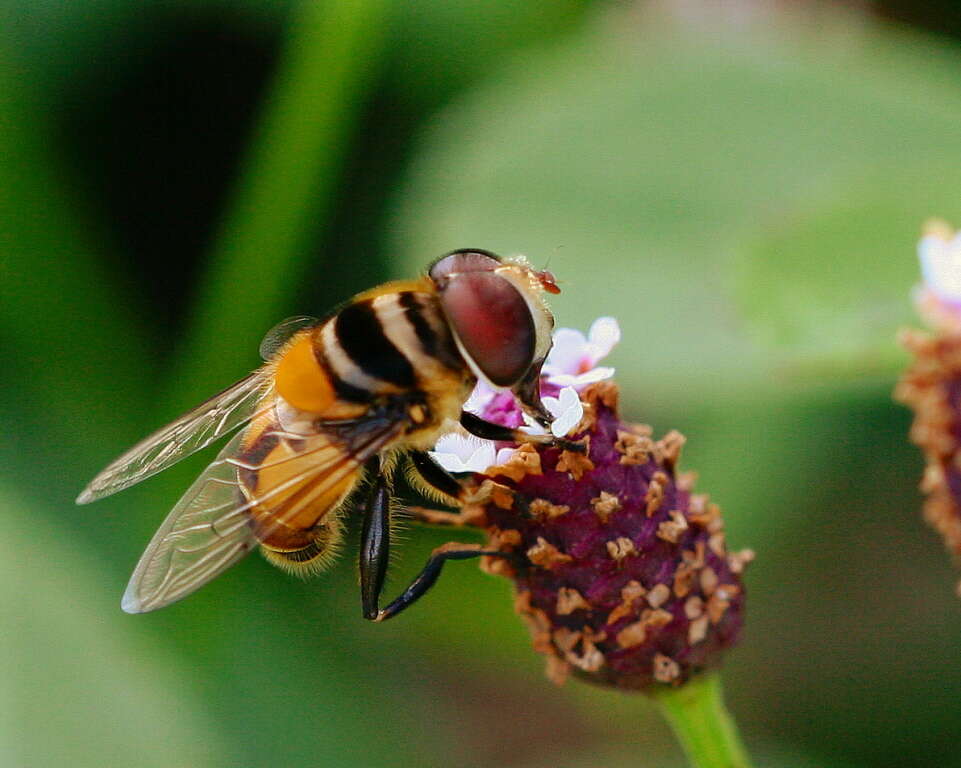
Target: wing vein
x=210 y=528
x=194 y=430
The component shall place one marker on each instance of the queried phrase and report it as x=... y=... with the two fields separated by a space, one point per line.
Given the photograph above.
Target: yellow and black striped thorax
x=384 y=344
x=392 y=340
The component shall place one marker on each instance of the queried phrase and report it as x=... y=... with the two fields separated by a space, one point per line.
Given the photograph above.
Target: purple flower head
x=932 y=388
x=622 y=573
x=932 y=384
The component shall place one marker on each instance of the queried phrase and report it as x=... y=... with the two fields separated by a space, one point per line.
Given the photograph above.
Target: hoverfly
x=339 y=404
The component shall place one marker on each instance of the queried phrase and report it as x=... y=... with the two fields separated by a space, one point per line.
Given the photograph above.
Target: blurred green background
x=742 y=188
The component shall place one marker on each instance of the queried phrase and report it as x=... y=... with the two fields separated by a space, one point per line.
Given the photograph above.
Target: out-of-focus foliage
x=69 y=674
x=742 y=189
x=740 y=184
x=746 y=198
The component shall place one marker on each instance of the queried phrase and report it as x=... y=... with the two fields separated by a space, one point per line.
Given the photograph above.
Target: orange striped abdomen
x=293 y=484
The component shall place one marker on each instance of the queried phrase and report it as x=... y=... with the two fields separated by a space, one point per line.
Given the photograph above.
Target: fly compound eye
x=464 y=260
x=491 y=321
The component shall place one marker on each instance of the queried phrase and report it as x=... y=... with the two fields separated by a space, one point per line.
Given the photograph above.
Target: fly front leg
x=375 y=545
x=490 y=431
x=434 y=482
x=428 y=576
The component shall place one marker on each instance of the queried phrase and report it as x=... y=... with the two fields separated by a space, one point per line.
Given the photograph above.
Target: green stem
x=702 y=723
x=285 y=190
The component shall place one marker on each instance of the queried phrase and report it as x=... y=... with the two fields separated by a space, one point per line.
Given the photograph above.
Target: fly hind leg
x=430 y=573
x=375 y=546
x=432 y=480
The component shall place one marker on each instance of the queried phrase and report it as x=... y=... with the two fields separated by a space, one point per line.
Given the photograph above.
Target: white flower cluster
x=938 y=298
x=940 y=253
x=570 y=365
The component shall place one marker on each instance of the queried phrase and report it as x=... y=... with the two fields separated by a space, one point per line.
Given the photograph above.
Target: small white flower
x=464 y=453
x=457 y=452
x=939 y=251
x=566 y=409
x=482 y=395
x=572 y=361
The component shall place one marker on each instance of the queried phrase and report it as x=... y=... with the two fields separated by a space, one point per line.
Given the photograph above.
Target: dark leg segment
x=428 y=577
x=427 y=476
x=435 y=475
x=528 y=394
x=375 y=546
x=490 y=431
x=486 y=429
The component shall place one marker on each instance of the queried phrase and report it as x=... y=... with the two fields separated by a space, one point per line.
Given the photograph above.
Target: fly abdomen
x=291 y=503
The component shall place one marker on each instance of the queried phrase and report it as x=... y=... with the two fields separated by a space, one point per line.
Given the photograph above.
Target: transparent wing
x=212 y=527
x=194 y=430
x=278 y=335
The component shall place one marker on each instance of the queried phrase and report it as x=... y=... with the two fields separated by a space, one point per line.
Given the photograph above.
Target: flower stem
x=702 y=723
